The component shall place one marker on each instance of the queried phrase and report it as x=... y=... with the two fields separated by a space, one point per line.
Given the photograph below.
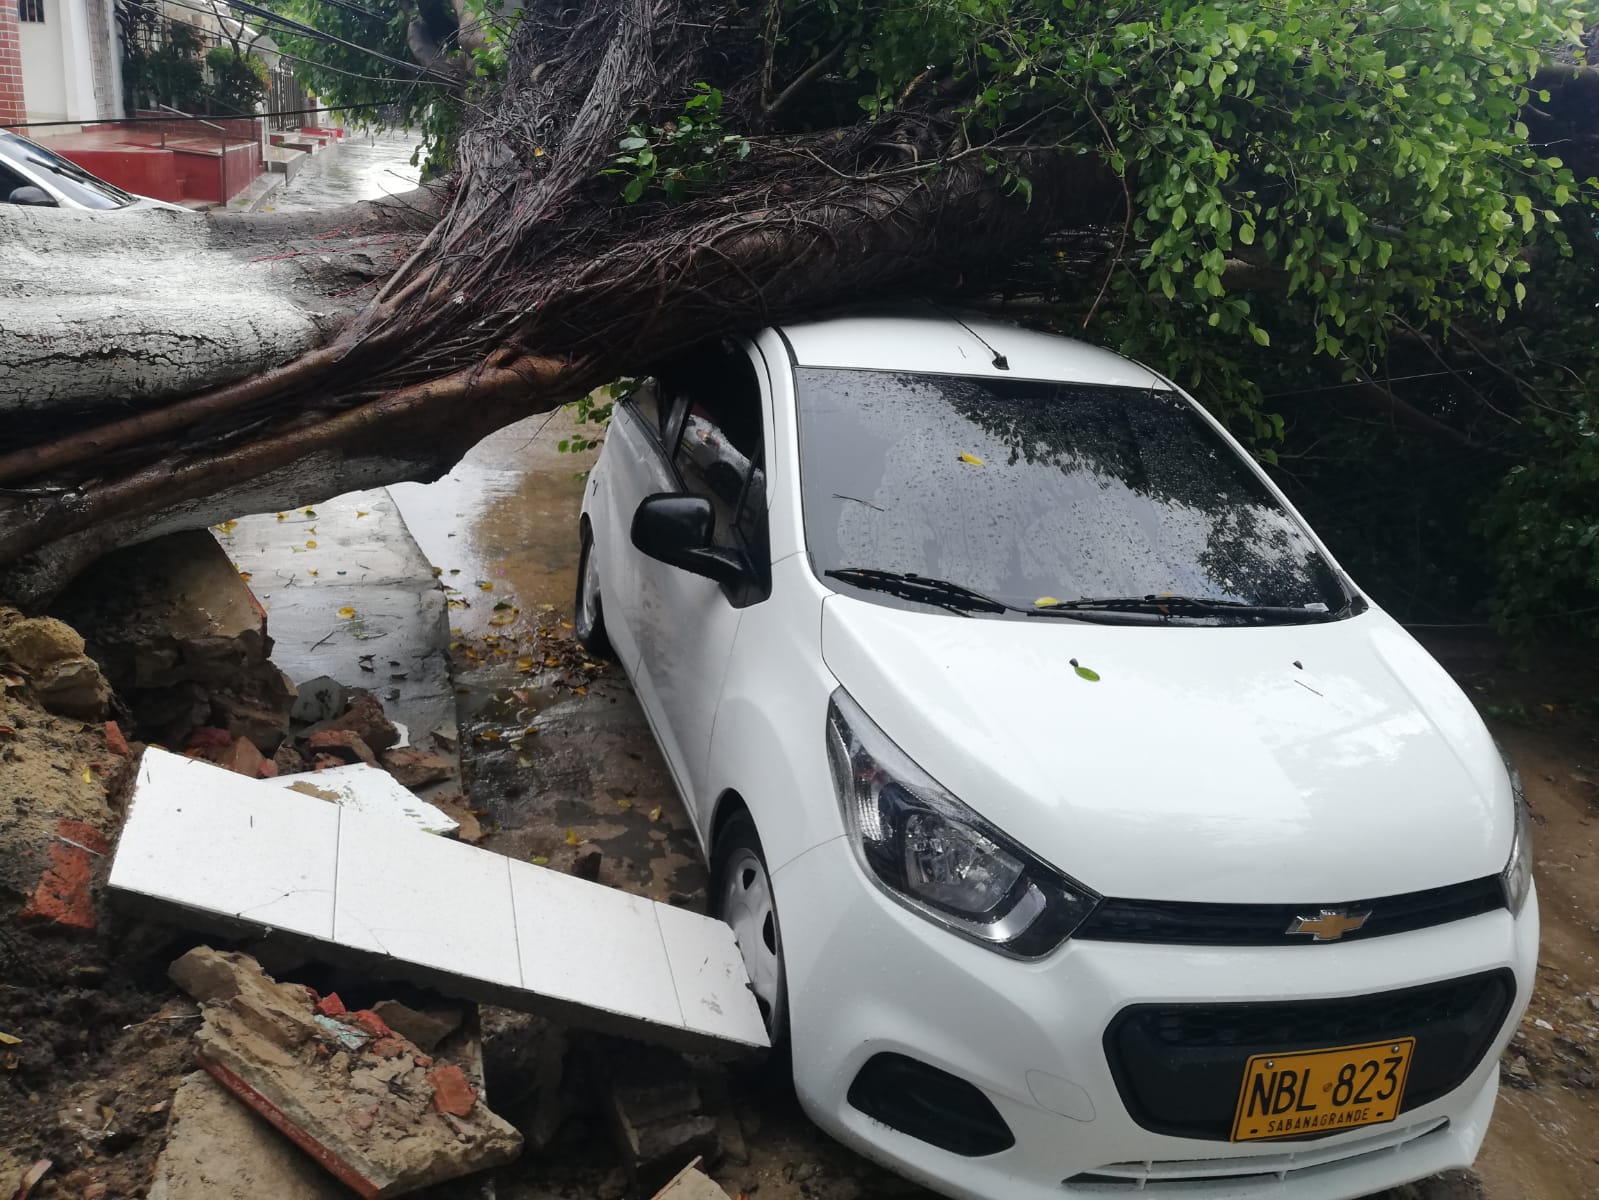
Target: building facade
x=69 y=59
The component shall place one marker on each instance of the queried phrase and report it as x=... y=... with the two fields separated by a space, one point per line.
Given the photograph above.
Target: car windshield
x=1036 y=491
x=66 y=177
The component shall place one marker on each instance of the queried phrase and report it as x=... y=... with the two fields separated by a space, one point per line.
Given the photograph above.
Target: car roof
x=941 y=344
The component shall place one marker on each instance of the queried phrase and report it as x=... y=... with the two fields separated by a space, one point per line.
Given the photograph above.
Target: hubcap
x=747 y=907
x=588 y=608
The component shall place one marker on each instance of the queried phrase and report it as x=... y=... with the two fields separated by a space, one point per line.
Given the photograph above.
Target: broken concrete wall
x=182 y=640
x=361 y=1100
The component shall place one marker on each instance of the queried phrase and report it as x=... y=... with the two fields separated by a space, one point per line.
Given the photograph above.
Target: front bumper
x=866 y=977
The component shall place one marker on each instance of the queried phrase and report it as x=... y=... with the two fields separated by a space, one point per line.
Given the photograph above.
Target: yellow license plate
x=1307 y=1092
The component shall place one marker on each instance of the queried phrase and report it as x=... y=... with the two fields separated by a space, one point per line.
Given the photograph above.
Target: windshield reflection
x=1029 y=490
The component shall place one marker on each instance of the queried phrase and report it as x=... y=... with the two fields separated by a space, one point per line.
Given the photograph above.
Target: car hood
x=1326 y=762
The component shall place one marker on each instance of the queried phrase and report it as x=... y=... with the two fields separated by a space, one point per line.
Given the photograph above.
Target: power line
x=321 y=35
x=206 y=12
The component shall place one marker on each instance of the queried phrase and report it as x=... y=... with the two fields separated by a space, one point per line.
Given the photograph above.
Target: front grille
x=1264 y=1173
x=1195 y=924
x=1179 y=1067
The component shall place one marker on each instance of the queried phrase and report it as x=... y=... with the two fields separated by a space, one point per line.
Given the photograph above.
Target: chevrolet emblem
x=1330 y=925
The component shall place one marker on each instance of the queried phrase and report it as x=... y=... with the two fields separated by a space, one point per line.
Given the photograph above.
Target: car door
x=637 y=462
x=686 y=623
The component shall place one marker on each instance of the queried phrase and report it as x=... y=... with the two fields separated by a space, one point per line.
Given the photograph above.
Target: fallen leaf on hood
x=1045 y=602
x=346 y=612
x=1083 y=672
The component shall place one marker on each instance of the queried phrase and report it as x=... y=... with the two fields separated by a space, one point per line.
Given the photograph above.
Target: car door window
x=9 y=182
x=716 y=416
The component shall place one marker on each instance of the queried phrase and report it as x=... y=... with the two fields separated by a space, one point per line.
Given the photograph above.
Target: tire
x=588 y=614
x=741 y=896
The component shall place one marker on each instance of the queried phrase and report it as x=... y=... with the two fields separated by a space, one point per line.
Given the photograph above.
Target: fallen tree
x=1190 y=182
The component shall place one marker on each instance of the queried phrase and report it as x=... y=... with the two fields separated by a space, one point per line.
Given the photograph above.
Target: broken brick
x=372 y=1023
x=242 y=758
x=331 y=1006
x=348 y=745
x=65 y=896
x=209 y=739
x=451 y=1092
x=267 y=770
x=424 y=1030
x=365 y=718
x=289 y=761
x=114 y=741
x=415 y=769
x=389 y=1047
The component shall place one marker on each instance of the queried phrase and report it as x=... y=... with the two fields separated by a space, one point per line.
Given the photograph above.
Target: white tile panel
x=370 y=790
x=709 y=978
x=209 y=839
x=424 y=900
x=221 y=845
x=591 y=945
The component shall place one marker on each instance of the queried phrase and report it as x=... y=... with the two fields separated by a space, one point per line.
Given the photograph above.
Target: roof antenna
x=1001 y=363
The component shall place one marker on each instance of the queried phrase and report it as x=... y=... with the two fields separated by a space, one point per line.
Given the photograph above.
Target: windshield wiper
x=1187 y=606
x=938 y=592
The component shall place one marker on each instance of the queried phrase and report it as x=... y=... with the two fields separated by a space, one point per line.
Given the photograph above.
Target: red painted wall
x=12 y=107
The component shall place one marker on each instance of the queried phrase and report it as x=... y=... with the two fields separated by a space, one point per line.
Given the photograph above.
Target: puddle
x=505 y=517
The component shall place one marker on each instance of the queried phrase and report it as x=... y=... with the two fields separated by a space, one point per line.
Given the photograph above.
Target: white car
x=1084 y=829
x=35 y=177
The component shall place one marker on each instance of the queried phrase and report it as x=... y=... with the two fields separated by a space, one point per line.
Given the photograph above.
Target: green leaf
x=1262 y=338
x=1083 y=672
x=634 y=189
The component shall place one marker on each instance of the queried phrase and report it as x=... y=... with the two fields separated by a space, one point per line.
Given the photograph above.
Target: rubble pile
x=363 y=1100
x=182 y=641
x=299 y=1097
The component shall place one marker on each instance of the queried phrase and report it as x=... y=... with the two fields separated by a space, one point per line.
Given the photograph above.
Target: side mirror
x=676 y=530
x=35 y=196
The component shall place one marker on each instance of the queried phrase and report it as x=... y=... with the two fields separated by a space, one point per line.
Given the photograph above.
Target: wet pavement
x=349 y=595
x=364 y=166
x=558 y=755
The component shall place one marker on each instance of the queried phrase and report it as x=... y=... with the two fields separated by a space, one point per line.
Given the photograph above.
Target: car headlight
x=937 y=857
x=1517 y=875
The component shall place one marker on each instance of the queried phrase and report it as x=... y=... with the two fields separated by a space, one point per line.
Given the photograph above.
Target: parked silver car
x=32 y=175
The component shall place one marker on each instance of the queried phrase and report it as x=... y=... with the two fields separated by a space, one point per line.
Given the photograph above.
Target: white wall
x=57 y=72
x=43 y=80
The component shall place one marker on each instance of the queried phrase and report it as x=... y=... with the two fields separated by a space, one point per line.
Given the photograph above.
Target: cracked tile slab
x=368 y=890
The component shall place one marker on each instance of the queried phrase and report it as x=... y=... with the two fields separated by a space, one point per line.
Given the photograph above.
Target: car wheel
x=741 y=893
x=589 y=621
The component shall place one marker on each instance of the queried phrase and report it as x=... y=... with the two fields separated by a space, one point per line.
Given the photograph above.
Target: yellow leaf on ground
x=88 y=776
x=227 y=526
x=971 y=459
x=485 y=585
x=580 y=691
x=359 y=513
x=280 y=516
x=311 y=545
x=246 y=576
x=7 y=1039
x=525 y=665
x=541 y=860
x=346 y=612
x=624 y=804
x=313 y=572
x=655 y=813
x=572 y=839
